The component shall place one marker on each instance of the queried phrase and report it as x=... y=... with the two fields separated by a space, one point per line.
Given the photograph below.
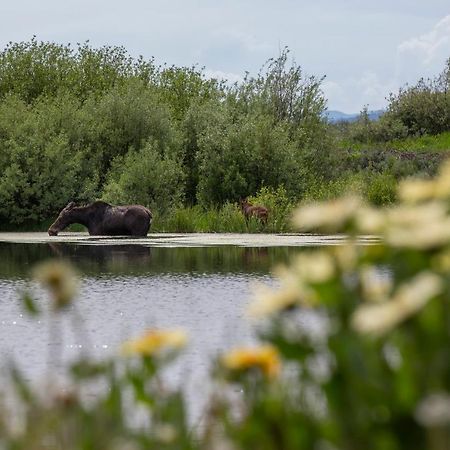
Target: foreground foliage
x=354 y=351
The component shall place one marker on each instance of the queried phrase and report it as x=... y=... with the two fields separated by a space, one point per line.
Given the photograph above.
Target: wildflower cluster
x=384 y=350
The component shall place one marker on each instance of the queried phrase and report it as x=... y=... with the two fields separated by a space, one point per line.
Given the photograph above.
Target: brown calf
x=249 y=210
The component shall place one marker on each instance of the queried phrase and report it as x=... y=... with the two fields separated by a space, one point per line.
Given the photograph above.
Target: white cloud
x=420 y=56
x=353 y=93
x=248 y=41
x=229 y=77
x=432 y=45
x=424 y=55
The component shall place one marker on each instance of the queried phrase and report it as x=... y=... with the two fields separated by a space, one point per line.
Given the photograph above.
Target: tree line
x=83 y=123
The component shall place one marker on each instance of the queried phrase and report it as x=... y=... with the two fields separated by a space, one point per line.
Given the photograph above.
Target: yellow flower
x=330 y=215
x=155 y=342
x=379 y=318
x=60 y=279
x=264 y=358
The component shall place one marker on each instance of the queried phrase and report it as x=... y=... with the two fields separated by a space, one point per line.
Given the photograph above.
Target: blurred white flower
x=421 y=226
x=434 y=410
x=314 y=267
x=346 y=257
x=165 y=433
x=271 y=301
x=370 y=220
x=379 y=318
x=426 y=236
x=414 y=190
x=330 y=215
x=375 y=285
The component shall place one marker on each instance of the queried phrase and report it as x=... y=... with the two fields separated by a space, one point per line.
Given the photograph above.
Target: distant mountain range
x=338 y=116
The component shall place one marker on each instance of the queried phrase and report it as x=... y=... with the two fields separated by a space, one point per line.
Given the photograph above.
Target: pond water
x=129 y=286
x=126 y=289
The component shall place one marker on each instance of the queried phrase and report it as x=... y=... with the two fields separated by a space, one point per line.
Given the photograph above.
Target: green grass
x=434 y=143
x=439 y=142
x=194 y=219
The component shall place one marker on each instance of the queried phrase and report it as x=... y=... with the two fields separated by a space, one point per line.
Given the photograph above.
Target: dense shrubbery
x=425 y=107
x=148 y=176
x=80 y=124
x=83 y=124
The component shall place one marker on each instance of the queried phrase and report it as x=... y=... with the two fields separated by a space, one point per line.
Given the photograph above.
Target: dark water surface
x=133 y=260
x=127 y=289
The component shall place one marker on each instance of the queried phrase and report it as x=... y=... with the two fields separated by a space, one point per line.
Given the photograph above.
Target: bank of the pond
x=188 y=239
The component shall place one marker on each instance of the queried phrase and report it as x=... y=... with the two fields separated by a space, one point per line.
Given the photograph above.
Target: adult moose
x=249 y=210
x=102 y=219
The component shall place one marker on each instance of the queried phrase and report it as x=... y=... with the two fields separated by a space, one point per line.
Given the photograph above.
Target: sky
x=365 y=49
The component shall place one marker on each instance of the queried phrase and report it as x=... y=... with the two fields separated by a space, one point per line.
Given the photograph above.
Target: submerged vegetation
x=375 y=373
x=80 y=124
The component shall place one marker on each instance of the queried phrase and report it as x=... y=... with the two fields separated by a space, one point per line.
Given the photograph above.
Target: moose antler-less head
x=62 y=221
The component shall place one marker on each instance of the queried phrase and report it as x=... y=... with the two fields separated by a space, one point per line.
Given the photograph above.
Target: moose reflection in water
x=114 y=257
x=259 y=212
x=103 y=219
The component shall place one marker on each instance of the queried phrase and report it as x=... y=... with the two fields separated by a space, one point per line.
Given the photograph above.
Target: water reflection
x=16 y=260
x=126 y=289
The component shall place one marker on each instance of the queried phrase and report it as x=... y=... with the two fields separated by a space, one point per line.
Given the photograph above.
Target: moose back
x=103 y=219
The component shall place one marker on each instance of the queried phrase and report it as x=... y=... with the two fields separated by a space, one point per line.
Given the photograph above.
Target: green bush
x=145 y=177
x=33 y=69
x=380 y=189
x=279 y=206
x=350 y=183
x=40 y=169
x=221 y=144
x=127 y=116
x=237 y=159
x=425 y=107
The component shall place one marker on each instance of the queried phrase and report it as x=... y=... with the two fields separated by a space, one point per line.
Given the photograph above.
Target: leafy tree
x=127 y=116
x=31 y=69
x=425 y=107
x=180 y=87
x=145 y=177
x=237 y=159
x=40 y=170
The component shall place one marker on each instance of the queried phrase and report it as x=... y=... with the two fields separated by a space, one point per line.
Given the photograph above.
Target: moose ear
x=70 y=206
